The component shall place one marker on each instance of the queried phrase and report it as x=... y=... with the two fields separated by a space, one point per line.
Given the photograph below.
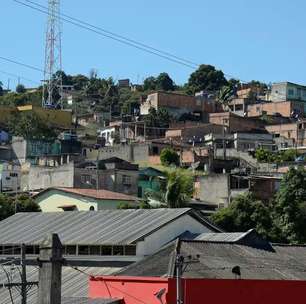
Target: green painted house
x=74 y=199
x=149 y=180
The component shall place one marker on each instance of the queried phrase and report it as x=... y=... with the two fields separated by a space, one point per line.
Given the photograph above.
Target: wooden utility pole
x=23 y=275
x=50 y=270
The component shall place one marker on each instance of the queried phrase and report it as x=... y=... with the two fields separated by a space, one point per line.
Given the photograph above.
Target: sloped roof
x=93 y=193
x=74 y=285
x=105 y=227
x=217 y=259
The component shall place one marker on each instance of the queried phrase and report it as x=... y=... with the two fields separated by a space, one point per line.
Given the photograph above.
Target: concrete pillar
x=50 y=270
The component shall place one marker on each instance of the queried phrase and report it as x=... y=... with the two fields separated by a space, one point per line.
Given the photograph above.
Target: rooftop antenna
x=53 y=58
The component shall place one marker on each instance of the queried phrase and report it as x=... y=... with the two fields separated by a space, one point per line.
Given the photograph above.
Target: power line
x=21 y=64
x=19 y=77
x=120 y=36
x=99 y=32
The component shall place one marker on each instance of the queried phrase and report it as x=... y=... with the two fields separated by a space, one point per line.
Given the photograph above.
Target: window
x=106 y=250
x=126 y=180
x=83 y=250
x=290 y=92
x=117 y=250
x=13 y=174
x=70 y=250
x=130 y=250
x=85 y=179
x=30 y=250
x=94 y=250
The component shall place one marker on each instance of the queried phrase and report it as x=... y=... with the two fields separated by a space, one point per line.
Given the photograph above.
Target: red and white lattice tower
x=52 y=87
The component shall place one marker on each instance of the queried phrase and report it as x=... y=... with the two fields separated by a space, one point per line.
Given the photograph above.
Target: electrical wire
x=8 y=281
x=21 y=64
x=92 y=276
x=99 y=32
x=119 y=36
x=19 y=77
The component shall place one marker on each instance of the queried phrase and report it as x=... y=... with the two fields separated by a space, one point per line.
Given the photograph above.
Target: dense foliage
x=30 y=126
x=169 y=157
x=282 y=220
x=23 y=203
x=206 y=78
x=176 y=190
x=266 y=156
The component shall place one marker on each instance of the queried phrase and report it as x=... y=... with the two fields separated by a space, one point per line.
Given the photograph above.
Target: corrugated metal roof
x=217 y=259
x=87 y=227
x=74 y=283
x=222 y=237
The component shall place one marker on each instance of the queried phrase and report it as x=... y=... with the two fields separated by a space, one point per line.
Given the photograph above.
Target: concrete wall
x=235 y=123
x=214 y=189
x=169 y=232
x=45 y=177
x=285 y=130
x=112 y=180
x=132 y=152
x=284 y=108
x=19 y=147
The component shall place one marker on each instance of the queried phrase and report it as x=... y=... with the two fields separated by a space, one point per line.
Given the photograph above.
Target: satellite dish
x=159 y=294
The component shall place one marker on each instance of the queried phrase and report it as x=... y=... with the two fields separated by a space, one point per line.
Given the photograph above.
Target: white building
x=10 y=176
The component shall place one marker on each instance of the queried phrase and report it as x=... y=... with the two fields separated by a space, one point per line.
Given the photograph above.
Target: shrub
x=168 y=157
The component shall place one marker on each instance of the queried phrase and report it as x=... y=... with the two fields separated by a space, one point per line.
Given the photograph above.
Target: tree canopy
x=176 y=191
x=169 y=157
x=20 y=88
x=282 y=220
x=30 y=126
x=162 y=82
x=23 y=203
x=206 y=77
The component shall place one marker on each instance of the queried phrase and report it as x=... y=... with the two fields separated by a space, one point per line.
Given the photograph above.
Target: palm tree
x=225 y=95
x=176 y=191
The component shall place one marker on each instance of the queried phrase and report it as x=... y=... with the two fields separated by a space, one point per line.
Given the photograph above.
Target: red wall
x=141 y=290
x=241 y=291
x=132 y=289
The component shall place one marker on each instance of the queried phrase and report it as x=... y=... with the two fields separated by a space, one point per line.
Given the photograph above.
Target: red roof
x=98 y=194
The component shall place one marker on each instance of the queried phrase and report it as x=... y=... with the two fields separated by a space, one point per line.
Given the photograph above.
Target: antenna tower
x=53 y=58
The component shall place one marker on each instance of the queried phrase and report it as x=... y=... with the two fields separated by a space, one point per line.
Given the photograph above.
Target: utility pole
x=179 y=271
x=50 y=270
x=23 y=275
x=24 y=286
x=53 y=56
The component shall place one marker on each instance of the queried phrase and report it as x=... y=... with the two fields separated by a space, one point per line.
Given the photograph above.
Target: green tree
x=176 y=191
x=20 y=89
x=23 y=203
x=164 y=82
x=157 y=121
x=289 y=214
x=225 y=95
x=149 y=84
x=206 y=77
x=30 y=126
x=169 y=157
x=245 y=212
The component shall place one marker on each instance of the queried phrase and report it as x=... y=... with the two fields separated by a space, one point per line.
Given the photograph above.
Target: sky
x=263 y=40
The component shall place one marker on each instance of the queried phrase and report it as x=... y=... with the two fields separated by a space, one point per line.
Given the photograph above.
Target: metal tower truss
x=52 y=87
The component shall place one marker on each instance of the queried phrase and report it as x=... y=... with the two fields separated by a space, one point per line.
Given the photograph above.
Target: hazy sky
x=263 y=40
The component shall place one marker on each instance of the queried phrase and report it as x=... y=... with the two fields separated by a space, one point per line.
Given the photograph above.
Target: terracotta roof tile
x=98 y=194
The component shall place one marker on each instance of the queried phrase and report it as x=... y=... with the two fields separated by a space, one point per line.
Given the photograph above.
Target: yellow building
x=74 y=199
